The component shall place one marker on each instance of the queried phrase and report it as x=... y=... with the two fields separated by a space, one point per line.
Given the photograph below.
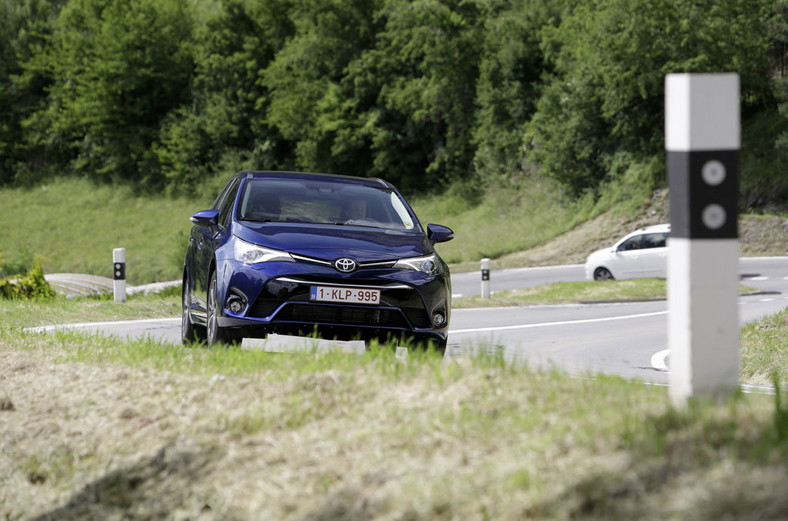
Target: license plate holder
x=347 y=295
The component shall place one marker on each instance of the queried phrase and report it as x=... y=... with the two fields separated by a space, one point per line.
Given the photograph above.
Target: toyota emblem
x=345 y=265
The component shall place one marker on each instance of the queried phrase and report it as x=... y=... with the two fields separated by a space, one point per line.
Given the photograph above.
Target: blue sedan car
x=303 y=254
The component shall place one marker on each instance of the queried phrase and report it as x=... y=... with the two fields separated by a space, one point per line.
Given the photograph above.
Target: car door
x=654 y=254
x=628 y=263
x=208 y=239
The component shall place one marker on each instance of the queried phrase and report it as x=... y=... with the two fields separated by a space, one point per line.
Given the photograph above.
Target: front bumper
x=409 y=301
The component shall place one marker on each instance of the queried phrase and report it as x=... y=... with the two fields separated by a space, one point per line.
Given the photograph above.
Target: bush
x=32 y=286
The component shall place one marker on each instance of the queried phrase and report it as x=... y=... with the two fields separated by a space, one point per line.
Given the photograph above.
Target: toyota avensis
x=296 y=253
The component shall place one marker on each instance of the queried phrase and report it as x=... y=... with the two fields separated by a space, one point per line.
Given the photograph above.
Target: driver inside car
x=354 y=211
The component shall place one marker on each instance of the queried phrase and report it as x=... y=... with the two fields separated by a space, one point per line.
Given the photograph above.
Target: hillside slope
x=758 y=236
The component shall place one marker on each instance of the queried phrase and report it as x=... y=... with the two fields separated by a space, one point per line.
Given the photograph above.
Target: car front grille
x=263 y=307
x=417 y=316
x=349 y=316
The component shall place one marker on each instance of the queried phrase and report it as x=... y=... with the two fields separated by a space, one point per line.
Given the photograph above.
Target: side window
x=654 y=240
x=223 y=194
x=633 y=243
x=227 y=204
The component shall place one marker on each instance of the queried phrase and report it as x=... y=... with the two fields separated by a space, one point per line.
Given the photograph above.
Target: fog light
x=438 y=319
x=235 y=304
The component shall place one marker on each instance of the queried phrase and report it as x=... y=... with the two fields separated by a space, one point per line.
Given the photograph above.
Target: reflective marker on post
x=119 y=274
x=702 y=140
x=485 y=266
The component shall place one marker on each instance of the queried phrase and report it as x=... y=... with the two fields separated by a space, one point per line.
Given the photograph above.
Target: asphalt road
x=628 y=339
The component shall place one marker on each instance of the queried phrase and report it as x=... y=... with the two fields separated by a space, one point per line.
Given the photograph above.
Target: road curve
x=628 y=339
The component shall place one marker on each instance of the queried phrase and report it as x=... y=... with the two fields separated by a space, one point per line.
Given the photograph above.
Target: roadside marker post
x=119 y=274
x=485 y=267
x=702 y=140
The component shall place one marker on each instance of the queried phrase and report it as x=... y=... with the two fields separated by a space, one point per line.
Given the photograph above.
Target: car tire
x=214 y=333
x=190 y=333
x=439 y=346
x=603 y=274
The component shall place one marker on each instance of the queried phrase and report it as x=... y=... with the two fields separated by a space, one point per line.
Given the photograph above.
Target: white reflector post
x=485 y=269
x=702 y=140
x=119 y=274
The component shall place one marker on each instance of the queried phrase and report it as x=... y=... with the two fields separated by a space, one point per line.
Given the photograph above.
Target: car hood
x=330 y=242
x=604 y=252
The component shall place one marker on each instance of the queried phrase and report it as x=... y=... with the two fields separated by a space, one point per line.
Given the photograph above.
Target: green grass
x=764 y=355
x=152 y=426
x=95 y=424
x=570 y=292
x=574 y=292
x=73 y=226
x=91 y=309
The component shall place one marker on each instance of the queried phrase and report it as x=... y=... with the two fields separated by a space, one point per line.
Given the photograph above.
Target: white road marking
x=550 y=324
x=56 y=327
x=659 y=360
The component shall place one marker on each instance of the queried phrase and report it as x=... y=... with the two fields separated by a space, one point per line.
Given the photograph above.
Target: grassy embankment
x=74 y=226
x=98 y=428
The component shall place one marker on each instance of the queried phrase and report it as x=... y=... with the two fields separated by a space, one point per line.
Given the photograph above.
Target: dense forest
x=159 y=94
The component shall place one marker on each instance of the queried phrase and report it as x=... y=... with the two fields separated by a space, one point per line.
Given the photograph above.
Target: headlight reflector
x=428 y=264
x=249 y=253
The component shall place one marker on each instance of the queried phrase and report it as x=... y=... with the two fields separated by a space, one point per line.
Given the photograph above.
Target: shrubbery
x=164 y=94
x=31 y=286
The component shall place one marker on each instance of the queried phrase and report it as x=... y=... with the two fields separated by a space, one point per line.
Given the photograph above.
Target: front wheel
x=215 y=333
x=603 y=274
x=189 y=332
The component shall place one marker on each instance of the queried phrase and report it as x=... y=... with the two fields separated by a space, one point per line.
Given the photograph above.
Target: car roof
x=656 y=228
x=312 y=176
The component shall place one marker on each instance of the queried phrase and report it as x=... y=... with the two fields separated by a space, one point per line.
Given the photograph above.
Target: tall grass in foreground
x=238 y=433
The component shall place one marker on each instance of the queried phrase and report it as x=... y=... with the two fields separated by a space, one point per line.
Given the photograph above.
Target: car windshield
x=323 y=202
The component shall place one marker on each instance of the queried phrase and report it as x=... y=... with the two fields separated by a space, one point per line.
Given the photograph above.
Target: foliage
x=426 y=93
x=224 y=124
x=611 y=58
x=31 y=286
x=25 y=26
x=511 y=67
x=118 y=68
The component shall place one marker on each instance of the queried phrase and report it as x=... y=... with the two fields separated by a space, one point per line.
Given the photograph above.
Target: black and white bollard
x=119 y=274
x=485 y=267
x=702 y=139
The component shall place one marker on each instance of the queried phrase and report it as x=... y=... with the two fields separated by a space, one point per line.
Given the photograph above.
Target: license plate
x=351 y=295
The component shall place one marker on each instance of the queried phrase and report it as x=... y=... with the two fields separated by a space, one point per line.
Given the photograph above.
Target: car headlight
x=428 y=264
x=249 y=253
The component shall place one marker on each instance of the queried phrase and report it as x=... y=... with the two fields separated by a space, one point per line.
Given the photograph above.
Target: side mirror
x=438 y=233
x=206 y=218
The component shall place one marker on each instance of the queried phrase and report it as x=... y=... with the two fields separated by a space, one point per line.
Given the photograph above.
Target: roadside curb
x=658 y=299
x=74 y=285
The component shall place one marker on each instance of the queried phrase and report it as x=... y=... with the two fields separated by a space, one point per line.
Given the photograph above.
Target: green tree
x=119 y=67
x=224 y=121
x=611 y=57
x=24 y=28
x=424 y=67
x=511 y=67
x=309 y=95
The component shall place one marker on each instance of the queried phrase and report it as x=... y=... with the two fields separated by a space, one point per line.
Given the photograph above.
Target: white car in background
x=641 y=254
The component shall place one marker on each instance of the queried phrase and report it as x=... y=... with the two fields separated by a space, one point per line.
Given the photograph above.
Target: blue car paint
x=211 y=250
